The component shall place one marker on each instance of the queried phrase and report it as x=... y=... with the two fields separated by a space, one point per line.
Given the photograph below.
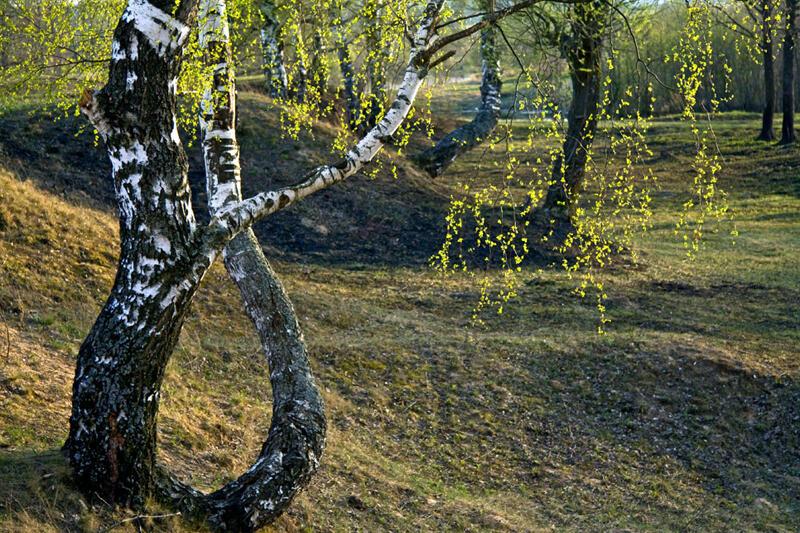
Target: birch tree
x=345 y=59
x=438 y=158
x=165 y=253
x=272 y=51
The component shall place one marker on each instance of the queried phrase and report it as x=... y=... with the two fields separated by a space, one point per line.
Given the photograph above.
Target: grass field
x=685 y=416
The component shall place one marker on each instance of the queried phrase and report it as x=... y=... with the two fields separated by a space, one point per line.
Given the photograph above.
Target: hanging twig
x=139 y=517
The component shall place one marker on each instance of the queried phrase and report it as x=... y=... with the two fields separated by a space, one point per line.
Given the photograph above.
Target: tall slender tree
x=297 y=430
x=272 y=51
x=768 y=64
x=754 y=22
x=374 y=93
x=350 y=94
x=788 y=134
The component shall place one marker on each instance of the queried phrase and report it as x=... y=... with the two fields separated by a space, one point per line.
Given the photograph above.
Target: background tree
x=755 y=26
x=165 y=255
x=438 y=158
x=346 y=67
x=766 y=23
x=583 y=49
x=788 y=135
x=272 y=49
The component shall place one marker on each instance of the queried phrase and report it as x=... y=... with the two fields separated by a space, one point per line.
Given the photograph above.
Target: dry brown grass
x=684 y=417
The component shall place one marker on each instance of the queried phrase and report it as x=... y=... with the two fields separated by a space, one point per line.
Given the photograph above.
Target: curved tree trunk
x=164 y=256
x=296 y=437
x=584 y=57
x=788 y=135
x=272 y=51
x=297 y=433
x=437 y=159
x=767 y=131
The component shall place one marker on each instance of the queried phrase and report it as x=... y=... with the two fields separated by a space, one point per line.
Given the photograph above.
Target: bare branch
x=230 y=220
x=490 y=18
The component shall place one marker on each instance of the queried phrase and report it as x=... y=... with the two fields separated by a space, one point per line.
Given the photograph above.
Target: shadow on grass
x=667 y=423
x=740 y=431
x=614 y=433
x=36 y=491
x=35 y=488
x=381 y=221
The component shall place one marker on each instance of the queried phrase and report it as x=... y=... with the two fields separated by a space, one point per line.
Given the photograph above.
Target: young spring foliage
x=495 y=225
x=335 y=52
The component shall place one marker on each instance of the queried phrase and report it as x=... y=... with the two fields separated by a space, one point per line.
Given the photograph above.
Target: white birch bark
x=297 y=433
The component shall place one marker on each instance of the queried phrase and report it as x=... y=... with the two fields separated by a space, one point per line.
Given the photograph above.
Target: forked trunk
x=438 y=158
x=164 y=256
x=120 y=368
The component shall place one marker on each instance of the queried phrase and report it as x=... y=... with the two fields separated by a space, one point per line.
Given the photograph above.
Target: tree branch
x=230 y=220
x=490 y=18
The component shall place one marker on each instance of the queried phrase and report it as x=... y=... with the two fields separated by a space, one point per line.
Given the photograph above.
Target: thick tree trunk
x=112 y=438
x=164 y=256
x=272 y=51
x=438 y=158
x=584 y=57
x=767 y=131
x=788 y=135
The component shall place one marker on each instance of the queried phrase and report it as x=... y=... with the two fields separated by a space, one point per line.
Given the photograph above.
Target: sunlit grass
x=682 y=417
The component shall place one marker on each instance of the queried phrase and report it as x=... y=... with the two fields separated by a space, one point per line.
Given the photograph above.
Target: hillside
x=684 y=417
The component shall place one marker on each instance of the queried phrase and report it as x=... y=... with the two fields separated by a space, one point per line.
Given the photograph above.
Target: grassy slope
x=684 y=417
